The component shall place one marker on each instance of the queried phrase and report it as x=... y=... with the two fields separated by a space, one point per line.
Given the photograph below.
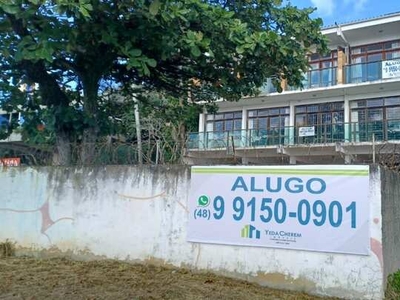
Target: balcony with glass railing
x=364 y=72
x=372 y=71
x=355 y=132
x=268 y=88
x=317 y=79
x=354 y=73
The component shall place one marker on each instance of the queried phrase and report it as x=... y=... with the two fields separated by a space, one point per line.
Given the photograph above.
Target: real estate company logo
x=250 y=232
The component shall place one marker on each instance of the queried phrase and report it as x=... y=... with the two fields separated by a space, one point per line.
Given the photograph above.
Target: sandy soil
x=34 y=279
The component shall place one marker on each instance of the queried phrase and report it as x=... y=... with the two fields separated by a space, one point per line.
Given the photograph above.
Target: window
x=318 y=61
x=4 y=121
x=366 y=61
x=375 y=52
x=261 y=119
x=267 y=126
x=221 y=127
x=220 y=122
x=326 y=118
x=322 y=70
x=375 y=117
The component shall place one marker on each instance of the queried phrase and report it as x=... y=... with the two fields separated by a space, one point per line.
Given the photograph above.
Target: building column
x=347 y=125
x=341 y=67
x=244 y=134
x=202 y=133
x=202 y=122
x=291 y=131
x=284 y=84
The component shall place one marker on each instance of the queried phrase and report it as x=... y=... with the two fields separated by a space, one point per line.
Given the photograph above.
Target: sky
x=342 y=11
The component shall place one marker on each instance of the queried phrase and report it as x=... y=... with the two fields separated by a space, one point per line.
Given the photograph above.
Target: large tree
x=68 y=51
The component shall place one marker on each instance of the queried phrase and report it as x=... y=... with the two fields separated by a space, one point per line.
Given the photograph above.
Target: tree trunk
x=138 y=133
x=90 y=134
x=181 y=136
x=62 y=155
x=182 y=141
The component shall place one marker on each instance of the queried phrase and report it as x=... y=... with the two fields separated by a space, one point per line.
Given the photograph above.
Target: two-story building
x=347 y=112
x=5 y=122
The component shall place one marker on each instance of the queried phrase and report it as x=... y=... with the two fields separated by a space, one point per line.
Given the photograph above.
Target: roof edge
x=380 y=17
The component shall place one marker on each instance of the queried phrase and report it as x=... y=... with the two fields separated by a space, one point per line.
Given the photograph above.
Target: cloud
x=356 y=5
x=326 y=7
x=360 y=5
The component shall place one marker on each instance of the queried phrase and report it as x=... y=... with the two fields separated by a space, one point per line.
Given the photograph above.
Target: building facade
x=347 y=112
x=6 y=119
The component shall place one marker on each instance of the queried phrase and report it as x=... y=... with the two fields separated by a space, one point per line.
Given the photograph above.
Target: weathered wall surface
x=391 y=221
x=140 y=214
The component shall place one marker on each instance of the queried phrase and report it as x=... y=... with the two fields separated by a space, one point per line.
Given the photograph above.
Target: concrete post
x=283 y=84
x=291 y=129
x=202 y=126
x=244 y=133
x=347 y=126
x=341 y=66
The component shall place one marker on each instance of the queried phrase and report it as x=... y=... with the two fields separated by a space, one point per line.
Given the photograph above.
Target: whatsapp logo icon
x=203 y=201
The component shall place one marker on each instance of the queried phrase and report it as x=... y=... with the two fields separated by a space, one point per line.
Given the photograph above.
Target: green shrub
x=393 y=286
x=7 y=249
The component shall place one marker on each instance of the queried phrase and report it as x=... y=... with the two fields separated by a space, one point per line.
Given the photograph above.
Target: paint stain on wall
x=151 y=198
x=47 y=221
x=376 y=248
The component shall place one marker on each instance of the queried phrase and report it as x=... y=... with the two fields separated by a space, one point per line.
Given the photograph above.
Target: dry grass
x=7 y=249
x=391 y=295
x=28 y=278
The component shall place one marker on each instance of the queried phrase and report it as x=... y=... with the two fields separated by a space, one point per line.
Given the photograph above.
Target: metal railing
x=355 y=132
x=364 y=72
x=268 y=88
x=318 y=78
x=387 y=130
x=354 y=73
x=371 y=71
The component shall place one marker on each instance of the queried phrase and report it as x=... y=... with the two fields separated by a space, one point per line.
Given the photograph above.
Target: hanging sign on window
x=306 y=131
x=390 y=68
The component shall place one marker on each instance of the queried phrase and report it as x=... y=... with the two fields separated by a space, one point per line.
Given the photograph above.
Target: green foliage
x=7 y=249
x=71 y=52
x=393 y=286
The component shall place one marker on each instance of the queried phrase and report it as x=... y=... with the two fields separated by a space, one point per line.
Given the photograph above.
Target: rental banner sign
x=321 y=208
x=390 y=68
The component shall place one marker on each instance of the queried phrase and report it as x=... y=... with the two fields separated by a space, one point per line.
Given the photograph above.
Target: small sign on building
x=390 y=68
x=306 y=131
x=10 y=162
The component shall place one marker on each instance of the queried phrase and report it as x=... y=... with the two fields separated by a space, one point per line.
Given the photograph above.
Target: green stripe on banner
x=280 y=172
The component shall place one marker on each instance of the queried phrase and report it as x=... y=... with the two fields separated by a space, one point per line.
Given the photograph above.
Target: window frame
x=268 y=116
x=368 y=53
x=222 y=117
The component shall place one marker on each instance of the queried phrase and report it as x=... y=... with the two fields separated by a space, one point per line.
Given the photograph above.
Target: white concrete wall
x=140 y=214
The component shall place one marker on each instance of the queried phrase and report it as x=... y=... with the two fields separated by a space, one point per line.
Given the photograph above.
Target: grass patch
x=393 y=287
x=7 y=249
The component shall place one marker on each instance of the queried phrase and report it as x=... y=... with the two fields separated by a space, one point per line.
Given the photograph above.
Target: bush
x=393 y=286
x=7 y=249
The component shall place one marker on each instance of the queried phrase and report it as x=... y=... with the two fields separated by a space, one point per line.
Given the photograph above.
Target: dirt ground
x=34 y=279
